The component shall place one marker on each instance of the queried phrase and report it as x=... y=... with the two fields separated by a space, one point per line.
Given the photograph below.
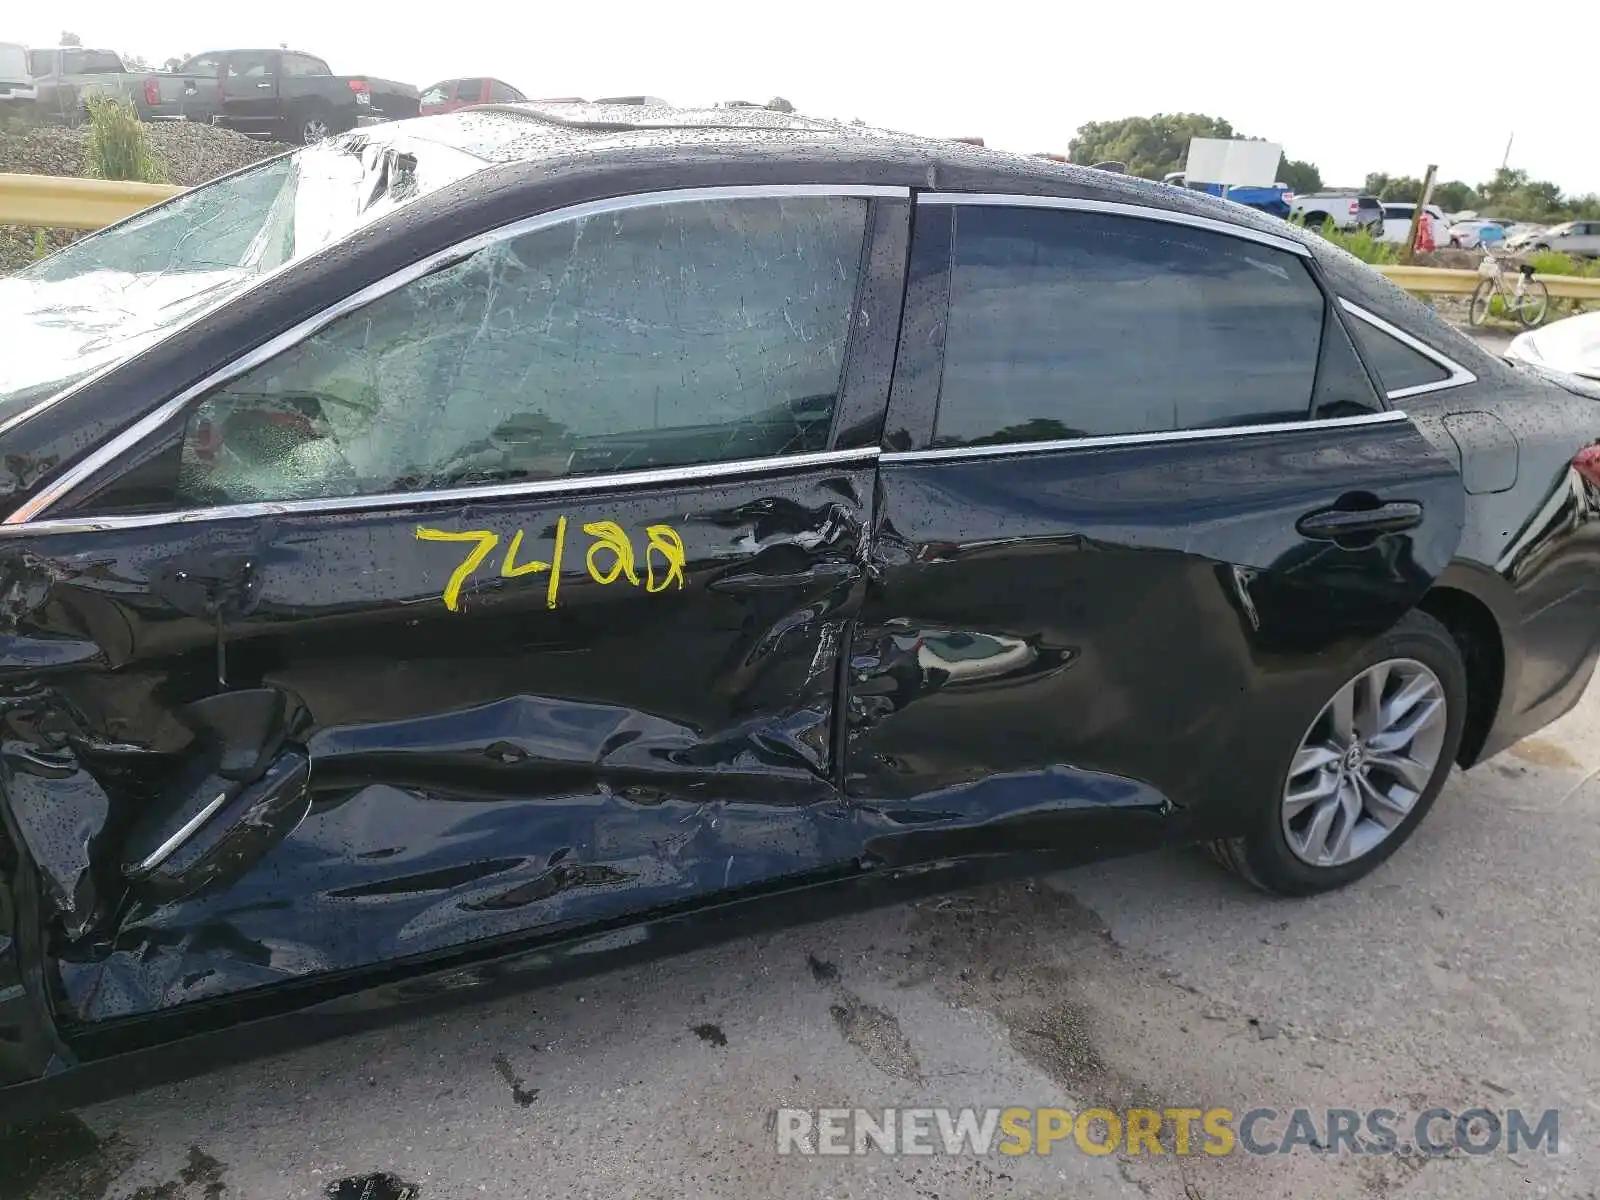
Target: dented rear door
x=509 y=602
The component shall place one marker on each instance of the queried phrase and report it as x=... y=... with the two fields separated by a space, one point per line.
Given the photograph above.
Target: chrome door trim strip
x=617 y=481
x=164 y=851
x=1459 y=375
x=1117 y=208
x=1113 y=441
x=96 y=461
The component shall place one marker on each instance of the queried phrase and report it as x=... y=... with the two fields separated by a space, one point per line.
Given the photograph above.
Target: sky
x=1386 y=92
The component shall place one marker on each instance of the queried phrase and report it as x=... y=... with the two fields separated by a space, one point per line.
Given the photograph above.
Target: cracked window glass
x=108 y=296
x=695 y=332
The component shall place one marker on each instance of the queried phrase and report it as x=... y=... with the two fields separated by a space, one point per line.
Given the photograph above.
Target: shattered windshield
x=105 y=298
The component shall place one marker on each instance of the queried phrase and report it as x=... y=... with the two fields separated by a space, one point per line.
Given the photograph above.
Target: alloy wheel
x=1364 y=763
x=313 y=131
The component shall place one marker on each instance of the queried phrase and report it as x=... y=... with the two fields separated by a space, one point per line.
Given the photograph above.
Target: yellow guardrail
x=61 y=202
x=1442 y=281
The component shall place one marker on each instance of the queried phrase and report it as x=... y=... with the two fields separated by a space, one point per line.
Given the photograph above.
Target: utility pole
x=1417 y=213
x=1505 y=160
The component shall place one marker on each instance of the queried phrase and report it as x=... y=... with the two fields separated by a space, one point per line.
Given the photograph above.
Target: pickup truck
x=66 y=76
x=1276 y=200
x=16 y=84
x=280 y=94
x=1348 y=211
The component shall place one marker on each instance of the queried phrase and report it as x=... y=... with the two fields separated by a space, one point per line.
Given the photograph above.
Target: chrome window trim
x=1458 y=377
x=1112 y=441
x=1116 y=208
x=617 y=481
x=109 y=451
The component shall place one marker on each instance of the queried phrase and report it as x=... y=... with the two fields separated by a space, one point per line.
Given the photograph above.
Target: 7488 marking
x=610 y=558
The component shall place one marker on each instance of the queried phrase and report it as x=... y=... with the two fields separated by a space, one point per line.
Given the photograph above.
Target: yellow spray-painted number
x=610 y=557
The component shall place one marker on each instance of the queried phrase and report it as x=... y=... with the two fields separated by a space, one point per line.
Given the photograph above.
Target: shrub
x=1361 y=243
x=1553 y=262
x=116 y=147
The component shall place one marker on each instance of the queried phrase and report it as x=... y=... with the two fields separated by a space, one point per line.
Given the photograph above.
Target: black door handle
x=1339 y=524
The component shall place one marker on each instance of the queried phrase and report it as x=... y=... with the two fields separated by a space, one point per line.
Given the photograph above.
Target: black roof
x=630 y=146
x=530 y=132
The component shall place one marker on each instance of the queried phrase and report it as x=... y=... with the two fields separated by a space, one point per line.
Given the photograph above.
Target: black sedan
x=492 y=546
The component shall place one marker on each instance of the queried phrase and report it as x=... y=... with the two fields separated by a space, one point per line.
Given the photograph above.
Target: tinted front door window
x=659 y=336
x=1074 y=324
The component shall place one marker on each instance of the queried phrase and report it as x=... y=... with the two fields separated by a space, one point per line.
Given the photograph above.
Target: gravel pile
x=191 y=154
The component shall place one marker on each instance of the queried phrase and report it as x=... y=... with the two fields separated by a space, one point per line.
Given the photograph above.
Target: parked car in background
x=290 y=96
x=1348 y=212
x=16 y=82
x=64 y=77
x=192 y=92
x=1397 y=222
x=543 y=540
x=1522 y=234
x=1581 y=239
x=1476 y=233
x=1571 y=344
x=451 y=94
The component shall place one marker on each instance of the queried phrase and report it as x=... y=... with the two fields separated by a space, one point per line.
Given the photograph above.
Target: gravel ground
x=191 y=154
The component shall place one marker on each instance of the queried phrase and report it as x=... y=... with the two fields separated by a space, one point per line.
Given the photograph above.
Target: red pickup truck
x=451 y=94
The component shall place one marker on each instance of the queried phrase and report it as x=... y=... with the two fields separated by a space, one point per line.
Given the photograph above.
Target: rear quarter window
x=1399 y=367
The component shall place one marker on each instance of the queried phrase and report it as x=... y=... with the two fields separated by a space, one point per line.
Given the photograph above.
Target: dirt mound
x=191 y=154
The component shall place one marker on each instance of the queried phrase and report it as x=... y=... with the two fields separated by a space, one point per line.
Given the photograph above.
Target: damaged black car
x=495 y=546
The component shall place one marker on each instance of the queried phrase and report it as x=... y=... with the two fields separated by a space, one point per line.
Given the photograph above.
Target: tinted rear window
x=1070 y=324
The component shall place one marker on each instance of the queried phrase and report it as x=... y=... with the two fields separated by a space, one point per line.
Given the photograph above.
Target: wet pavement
x=1463 y=973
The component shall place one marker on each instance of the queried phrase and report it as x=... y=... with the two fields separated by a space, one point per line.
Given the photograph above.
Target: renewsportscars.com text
x=1179 y=1131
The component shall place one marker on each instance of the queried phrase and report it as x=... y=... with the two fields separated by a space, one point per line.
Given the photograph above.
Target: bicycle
x=1528 y=300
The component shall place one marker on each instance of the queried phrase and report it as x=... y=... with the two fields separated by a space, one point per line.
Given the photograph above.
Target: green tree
x=1455 y=196
x=1299 y=176
x=1393 y=187
x=779 y=104
x=1150 y=146
x=1512 y=194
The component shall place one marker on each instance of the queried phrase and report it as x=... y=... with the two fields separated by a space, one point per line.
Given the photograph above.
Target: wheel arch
x=1477 y=632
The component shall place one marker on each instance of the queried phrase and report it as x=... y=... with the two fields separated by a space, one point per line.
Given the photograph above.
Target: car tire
x=311 y=125
x=1418 y=654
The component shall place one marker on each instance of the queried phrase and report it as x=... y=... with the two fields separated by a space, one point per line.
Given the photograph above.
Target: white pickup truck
x=1349 y=211
x=16 y=83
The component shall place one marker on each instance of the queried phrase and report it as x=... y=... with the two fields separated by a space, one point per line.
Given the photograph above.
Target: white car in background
x=1397 y=223
x=16 y=83
x=1572 y=345
x=1578 y=238
x=1522 y=235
